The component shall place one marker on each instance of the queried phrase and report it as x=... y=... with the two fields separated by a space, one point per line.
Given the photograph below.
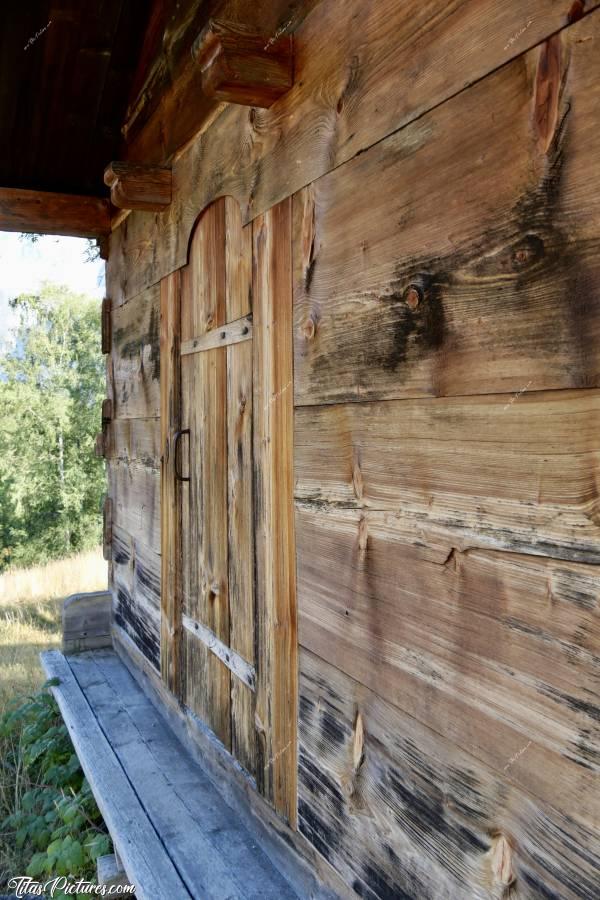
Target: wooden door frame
x=275 y=588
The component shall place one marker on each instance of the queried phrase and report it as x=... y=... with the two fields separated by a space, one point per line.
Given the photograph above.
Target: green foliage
x=57 y=821
x=51 y=387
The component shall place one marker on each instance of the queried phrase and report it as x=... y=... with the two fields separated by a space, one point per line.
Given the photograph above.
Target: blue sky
x=25 y=266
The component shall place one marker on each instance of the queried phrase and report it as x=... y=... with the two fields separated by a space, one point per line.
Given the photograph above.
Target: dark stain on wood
x=417 y=329
x=143 y=631
x=320 y=835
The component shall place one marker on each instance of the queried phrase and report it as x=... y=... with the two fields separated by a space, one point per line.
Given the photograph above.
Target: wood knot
x=309 y=328
x=501 y=855
x=413 y=296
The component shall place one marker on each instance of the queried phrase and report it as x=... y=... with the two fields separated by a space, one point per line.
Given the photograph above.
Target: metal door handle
x=178 y=435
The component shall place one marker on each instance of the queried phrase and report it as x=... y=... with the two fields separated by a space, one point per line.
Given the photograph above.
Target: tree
x=51 y=387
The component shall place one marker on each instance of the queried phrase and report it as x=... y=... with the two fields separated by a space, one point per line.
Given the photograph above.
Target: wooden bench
x=174 y=833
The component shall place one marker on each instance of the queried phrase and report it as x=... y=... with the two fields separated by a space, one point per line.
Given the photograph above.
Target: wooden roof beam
x=44 y=212
x=134 y=186
x=241 y=67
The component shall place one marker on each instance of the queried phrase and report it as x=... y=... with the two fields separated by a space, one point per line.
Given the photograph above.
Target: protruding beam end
x=241 y=67
x=133 y=186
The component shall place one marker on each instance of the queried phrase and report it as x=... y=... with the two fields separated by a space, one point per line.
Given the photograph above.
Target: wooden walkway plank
x=146 y=859
x=212 y=849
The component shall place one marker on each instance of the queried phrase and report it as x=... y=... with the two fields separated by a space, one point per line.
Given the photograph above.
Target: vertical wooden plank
x=107 y=512
x=170 y=515
x=205 y=532
x=277 y=686
x=240 y=495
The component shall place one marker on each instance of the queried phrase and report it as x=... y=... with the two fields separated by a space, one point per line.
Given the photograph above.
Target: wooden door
x=228 y=641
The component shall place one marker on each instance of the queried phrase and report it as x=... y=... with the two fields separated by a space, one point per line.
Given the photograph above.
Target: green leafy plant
x=55 y=820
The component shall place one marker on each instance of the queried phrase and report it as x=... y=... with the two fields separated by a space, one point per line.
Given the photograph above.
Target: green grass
x=30 y=621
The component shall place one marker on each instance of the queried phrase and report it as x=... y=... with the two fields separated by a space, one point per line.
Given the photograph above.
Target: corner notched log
x=243 y=68
x=134 y=186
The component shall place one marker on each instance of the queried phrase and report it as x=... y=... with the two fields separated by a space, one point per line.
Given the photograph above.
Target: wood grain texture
x=471 y=262
x=42 y=212
x=145 y=859
x=136 y=590
x=133 y=186
x=289 y=850
x=134 y=366
x=170 y=487
x=240 y=493
x=170 y=108
x=86 y=621
x=239 y=66
x=236 y=664
x=205 y=513
x=358 y=77
x=135 y=493
x=402 y=812
x=232 y=333
x=276 y=699
x=494 y=651
x=135 y=440
x=514 y=472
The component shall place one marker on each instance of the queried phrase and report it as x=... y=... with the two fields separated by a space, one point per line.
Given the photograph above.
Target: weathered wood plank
x=215 y=854
x=135 y=494
x=240 y=495
x=426 y=294
x=107 y=526
x=274 y=519
x=345 y=99
x=204 y=520
x=134 y=369
x=42 y=212
x=145 y=859
x=134 y=440
x=232 y=333
x=136 y=589
x=400 y=811
x=290 y=850
x=515 y=472
x=86 y=622
x=170 y=487
x=495 y=651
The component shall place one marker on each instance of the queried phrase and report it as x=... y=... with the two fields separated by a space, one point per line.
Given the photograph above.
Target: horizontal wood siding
x=136 y=593
x=401 y=812
x=134 y=370
x=507 y=472
x=358 y=77
x=452 y=261
x=435 y=168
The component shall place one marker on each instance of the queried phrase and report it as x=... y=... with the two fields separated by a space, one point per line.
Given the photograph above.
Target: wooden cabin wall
x=446 y=273
x=133 y=458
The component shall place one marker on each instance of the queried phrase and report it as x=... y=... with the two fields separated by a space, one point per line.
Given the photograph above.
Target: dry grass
x=30 y=603
x=30 y=606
